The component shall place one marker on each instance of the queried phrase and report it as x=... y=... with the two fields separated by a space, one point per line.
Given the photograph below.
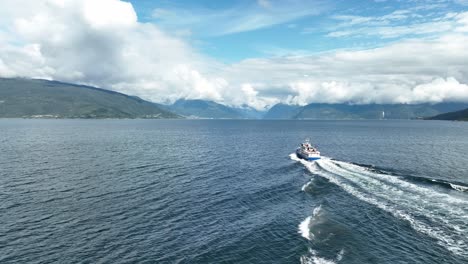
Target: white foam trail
x=314 y=259
x=293 y=156
x=459 y=187
x=397 y=190
x=317 y=211
x=447 y=215
x=304 y=228
x=390 y=199
x=305 y=186
x=340 y=255
x=400 y=182
x=416 y=200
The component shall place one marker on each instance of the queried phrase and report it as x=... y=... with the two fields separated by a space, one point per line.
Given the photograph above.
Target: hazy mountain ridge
x=203 y=109
x=34 y=98
x=367 y=111
x=282 y=111
x=197 y=108
x=461 y=115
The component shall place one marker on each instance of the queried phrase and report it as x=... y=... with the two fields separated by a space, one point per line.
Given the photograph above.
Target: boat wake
x=442 y=216
x=313 y=258
x=305 y=226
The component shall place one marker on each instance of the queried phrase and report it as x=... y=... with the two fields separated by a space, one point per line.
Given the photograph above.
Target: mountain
x=210 y=109
x=33 y=98
x=282 y=111
x=368 y=111
x=450 y=107
x=458 y=116
x=250 y=112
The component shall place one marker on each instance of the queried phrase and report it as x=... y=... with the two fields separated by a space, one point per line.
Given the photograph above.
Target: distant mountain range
x=374 y=111
x=51 y=99
x=210 y=109
x=282 y=111
x=28 y=98
x=456 y=116
x=203 y=109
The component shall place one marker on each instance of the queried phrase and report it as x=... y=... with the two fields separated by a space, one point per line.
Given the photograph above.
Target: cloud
x=237 y=19
x=397 y=31
x=264 y=3
x=351 y=20
x=397 y=24
x=410 y=71
x=440 y=90
x=462 y=2
x=101 y=43
x=81 y=42
x=105 y=13
x=462 y=22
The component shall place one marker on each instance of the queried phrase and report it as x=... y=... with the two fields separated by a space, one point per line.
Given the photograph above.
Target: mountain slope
x=250 y=112
x=204 y=109
x=458 y=116
x=41 y=98
x=368 y=111
x=282 y=111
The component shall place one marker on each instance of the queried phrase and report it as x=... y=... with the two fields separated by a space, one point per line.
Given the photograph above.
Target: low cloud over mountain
x=105 y=43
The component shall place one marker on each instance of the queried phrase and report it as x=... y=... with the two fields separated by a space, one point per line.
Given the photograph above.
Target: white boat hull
x=307 y=156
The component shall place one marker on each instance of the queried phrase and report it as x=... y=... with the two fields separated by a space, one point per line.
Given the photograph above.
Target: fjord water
x=229 y=191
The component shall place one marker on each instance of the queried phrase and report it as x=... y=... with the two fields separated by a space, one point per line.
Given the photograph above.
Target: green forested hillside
x=31 y=98
x=458 y=116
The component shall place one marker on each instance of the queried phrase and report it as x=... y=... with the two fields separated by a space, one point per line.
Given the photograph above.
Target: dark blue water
x=223 y=191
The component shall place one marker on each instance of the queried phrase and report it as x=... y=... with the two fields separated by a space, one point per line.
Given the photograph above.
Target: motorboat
x=307 y=151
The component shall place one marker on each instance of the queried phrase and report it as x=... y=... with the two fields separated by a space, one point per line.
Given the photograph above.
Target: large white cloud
x=102 y=43
x=409 y=71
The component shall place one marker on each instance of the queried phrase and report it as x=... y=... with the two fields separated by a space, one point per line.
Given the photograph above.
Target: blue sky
x=256 y=53
x=290 y=27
